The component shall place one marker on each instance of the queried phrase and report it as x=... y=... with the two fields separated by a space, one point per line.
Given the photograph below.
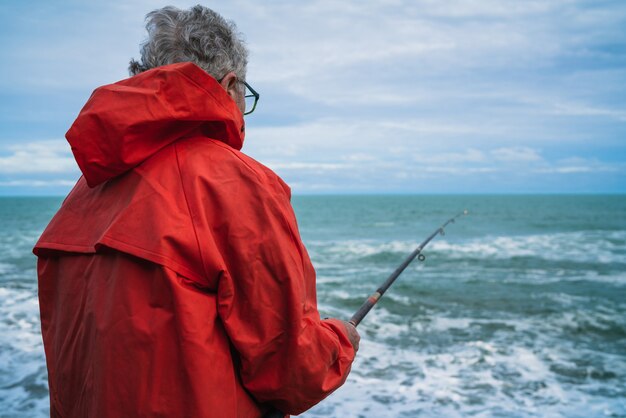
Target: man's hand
x=353 y=335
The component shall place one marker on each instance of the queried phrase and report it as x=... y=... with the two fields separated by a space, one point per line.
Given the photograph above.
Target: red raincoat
x=173 y=281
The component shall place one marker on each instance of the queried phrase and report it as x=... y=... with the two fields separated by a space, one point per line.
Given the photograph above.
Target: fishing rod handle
x=365 y=308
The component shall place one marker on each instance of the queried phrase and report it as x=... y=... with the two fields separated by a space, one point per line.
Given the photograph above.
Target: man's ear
x=229 y=82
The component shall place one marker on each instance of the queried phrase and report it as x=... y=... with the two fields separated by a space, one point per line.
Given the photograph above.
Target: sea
x=519 y=310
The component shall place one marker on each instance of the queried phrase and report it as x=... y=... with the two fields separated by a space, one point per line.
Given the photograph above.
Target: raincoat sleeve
x=267 y=302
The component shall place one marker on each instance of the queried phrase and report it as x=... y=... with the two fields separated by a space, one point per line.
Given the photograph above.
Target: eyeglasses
x=251 y=97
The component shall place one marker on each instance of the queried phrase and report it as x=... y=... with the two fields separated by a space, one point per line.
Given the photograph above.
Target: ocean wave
x=540 y=277
x=23 y=378
x=587 y=246
x=475 y=378
x=5 y=268
x=526 y=370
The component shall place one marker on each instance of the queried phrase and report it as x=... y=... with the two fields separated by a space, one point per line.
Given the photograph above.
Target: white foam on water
x=341 y=294
x=325 y=280
x=496 y=377
x=17 y=245
x=22 y=362
x=363 y=248
x=566 y=300
x=594 y=276
x=17 y=402
x=586 y=246
x=513 y=373
x=383 y=224
x=576 y=320
x=541 y=277
x=400 y=298
x=398 y=372
x=5 y=268
x=387 y=382
x=445 y=324
x=592 y=247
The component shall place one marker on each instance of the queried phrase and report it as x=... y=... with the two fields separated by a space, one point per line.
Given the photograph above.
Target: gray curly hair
x=197 y=35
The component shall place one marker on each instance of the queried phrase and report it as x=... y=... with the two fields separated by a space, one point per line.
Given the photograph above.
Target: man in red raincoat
x=173 y=281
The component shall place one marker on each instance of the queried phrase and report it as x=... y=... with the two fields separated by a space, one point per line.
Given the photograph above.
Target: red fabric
x=173 y=281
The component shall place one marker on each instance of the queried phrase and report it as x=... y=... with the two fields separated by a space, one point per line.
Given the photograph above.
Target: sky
x=420 y=96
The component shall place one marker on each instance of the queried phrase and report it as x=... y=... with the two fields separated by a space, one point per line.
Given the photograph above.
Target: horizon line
x=349 y=193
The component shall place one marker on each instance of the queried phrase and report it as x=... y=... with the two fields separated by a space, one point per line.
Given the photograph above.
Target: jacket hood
x=124 y=123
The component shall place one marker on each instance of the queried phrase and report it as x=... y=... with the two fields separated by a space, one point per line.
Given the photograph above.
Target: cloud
x=50 y=156
x=576 y=109
x=307 y=166
x=458 y=170
x=354 y=91
x=38 y=183
x=578 y=165
x=516 y=154
x=566 y=170
x=359 y=157
x=469 y=156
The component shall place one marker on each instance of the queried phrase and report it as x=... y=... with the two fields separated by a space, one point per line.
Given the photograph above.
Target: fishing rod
x=375 y=297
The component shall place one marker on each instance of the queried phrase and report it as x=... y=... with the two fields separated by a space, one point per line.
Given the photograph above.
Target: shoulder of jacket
x=209 y=156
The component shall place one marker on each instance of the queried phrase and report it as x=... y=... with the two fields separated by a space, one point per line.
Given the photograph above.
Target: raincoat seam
x=175 y=263
x=263 y=179
x=91 y=248
x=54 y=246
x=236 y=153
x=193 y=224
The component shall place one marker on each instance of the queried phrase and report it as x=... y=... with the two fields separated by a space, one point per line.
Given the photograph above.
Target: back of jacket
x=173 y=281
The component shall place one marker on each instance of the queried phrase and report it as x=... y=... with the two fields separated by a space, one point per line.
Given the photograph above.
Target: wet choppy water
x=518 y=311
